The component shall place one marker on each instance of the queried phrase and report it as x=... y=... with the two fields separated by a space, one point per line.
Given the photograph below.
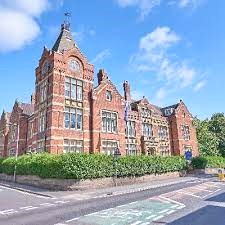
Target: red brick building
x=68 y=113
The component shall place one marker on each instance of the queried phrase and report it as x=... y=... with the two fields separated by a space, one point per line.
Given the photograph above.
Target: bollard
x=220 y=175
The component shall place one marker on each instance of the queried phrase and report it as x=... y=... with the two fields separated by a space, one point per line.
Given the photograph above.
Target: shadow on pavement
x=217 y=198
x=208 y=215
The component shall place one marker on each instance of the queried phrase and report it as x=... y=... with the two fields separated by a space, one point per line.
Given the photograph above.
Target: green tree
x=217 y=127
x=207 y=140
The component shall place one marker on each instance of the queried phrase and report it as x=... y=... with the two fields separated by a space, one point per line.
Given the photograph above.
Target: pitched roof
x=28 y=109
x=65 y=40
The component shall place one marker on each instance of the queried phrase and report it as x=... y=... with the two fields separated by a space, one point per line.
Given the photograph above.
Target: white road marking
x=170 y=212
x=60 y=224
x=163 y=211
x=8 y=212
x=171 y=200
x=158 y=217
x=201 y=189
x=74 y=219
x=25 y=193
x=136 y=223
x=47 y=204
x=62 y=202
x=188 y=193
x=26 y=207
x=150 y=217
x=32 y=208
x=211 y=193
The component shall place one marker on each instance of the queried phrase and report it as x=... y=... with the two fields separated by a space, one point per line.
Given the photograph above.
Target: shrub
x=199 y=162
x=1 y=160
x=208 y=162
x=90 y=166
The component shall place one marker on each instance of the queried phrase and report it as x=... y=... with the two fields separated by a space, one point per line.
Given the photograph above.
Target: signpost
x=188 y=155
x=116 y=156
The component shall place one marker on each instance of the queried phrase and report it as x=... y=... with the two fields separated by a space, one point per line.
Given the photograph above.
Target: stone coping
x=73 y=184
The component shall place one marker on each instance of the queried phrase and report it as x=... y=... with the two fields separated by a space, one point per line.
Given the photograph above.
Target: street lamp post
x=116 y=155
x=17 y=149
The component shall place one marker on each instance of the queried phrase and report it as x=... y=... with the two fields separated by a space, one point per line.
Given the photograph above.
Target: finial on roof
x=66 y=24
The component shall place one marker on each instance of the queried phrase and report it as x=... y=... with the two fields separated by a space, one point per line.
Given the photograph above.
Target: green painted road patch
x=135 y=213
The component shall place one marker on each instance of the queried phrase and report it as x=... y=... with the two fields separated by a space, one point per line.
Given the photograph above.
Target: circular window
x=74 y=65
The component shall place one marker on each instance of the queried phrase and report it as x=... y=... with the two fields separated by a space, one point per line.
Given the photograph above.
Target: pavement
x=186 y=201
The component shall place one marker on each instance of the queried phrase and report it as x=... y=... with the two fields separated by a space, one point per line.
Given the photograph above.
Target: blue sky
x=168 y=49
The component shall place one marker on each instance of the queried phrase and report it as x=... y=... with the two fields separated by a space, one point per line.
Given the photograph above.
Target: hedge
x=208 y=162
x=90 y=166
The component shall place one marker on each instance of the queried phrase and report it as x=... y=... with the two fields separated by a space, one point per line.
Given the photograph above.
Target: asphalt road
x=198 y=203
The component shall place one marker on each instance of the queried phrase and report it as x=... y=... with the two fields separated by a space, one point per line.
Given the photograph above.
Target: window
x=73 y=146
x=185 y=132
x=109 y=122
x=30 y=130
x=12 y=152
x=109 y=147
x=109 y=96
x=164 y=150
x=13 y=135
x=147 y=130
x=73 y=118
x=43 y=91
x=163 y=132
x=146 y=112
x=131 y=149
x=42 y=121
x=73 y=89
x=40 y=146
x=130 y=129
x=1 y=144
x=168 y=111
x=45 y=68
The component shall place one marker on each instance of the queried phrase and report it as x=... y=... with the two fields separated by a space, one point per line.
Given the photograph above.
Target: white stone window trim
x=108 y=95
x=73 y=148
x=102 y=122
x=113 y=148
x=76 y=112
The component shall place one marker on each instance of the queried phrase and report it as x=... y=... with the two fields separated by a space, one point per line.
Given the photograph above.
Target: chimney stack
x=102 y=75
x=126 y=88
x=32 y=99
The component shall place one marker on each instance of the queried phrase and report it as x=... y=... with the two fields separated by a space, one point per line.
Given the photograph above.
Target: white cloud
x=101 y=56
x=18 y=22
x=144 y=6
x=189 y=3
x=161 y=37
x=137 y=94
x=33 y=8
x=199 y=85
x=82 y=33
x=19 y=30
x=160 y=94
x=154 y=56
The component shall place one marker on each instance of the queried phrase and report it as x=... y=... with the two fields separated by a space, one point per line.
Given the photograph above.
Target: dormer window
x=109 y=96
x=146 y=112
x=168 y=111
